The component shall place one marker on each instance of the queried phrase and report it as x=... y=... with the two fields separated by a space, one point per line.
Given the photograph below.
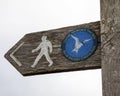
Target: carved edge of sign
x=17 y=46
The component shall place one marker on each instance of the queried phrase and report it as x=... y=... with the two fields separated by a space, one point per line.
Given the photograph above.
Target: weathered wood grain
x=110 y=33
x=61 y=64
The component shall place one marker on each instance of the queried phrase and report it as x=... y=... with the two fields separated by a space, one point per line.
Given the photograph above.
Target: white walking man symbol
x=44 y=46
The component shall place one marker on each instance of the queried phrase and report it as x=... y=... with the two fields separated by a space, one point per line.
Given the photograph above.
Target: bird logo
x=78 y=44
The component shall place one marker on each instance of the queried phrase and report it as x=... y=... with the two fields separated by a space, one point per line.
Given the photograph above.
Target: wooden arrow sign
x=41 y=52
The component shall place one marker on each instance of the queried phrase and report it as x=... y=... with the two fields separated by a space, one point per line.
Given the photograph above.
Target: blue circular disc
x=79 y=44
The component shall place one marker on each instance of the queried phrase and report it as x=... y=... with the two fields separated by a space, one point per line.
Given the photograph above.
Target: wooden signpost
x=27 y=57
x=52 y=51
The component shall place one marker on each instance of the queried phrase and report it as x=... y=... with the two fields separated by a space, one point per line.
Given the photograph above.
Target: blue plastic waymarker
x=79 y=44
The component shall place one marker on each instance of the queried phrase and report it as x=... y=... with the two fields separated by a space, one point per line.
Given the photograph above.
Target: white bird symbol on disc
x=78 y=44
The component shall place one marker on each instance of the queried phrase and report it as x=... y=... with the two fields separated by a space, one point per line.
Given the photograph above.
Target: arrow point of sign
x=14 y=58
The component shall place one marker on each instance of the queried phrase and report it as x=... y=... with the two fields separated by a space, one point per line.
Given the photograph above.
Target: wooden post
x=110 y=33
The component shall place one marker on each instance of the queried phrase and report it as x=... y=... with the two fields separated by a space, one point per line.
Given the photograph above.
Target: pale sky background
x=18 y=17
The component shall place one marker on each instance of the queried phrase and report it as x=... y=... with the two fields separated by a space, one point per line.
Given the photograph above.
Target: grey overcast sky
x=18 y=17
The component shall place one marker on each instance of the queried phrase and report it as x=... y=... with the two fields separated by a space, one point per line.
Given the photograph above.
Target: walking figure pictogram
x=45 y=46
